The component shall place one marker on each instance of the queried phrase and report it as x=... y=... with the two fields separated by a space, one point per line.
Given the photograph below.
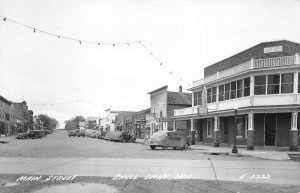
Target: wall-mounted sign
x=140 y=121
x=164 y=119
x=202 y=110
x=273 y=49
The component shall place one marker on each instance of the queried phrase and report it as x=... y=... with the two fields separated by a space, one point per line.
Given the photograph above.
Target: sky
x=62 y=78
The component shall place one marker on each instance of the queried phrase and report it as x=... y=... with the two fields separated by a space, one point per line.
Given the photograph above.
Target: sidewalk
x=242 y=151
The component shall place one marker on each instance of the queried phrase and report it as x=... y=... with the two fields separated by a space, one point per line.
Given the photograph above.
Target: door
x=270 y=129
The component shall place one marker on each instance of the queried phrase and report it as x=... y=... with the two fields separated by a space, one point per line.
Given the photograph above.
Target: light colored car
x=167 y=139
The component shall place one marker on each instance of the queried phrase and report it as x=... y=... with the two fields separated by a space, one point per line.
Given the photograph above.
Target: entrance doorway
x=270 y=129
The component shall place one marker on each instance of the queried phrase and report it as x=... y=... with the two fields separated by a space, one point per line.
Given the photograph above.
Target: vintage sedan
x=167 y=139
x=22 y=136
x=123 y=136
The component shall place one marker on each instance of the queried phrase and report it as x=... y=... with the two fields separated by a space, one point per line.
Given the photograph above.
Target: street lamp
x=236 y=107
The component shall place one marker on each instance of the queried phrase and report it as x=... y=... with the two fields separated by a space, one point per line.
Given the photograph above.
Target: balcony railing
x=252 y=64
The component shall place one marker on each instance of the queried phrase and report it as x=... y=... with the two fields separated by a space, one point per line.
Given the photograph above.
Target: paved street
x=58 y=145
x=58 y=154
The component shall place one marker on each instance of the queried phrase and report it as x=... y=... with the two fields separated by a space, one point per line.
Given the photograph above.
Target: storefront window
x=239 y=89
x=260 y=85
x=273 y=84
x=227 y=91
x=287 y=83
x=240 y=127
x=233 y=90
x=209 y=127
x=221 y=92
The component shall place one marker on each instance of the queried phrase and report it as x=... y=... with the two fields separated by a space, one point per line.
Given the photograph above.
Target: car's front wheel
x=152 y=146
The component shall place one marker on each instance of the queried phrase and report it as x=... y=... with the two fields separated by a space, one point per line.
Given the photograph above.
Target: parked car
x=73 y=133
x=123 y=136
x=80 y=133
x=22 y=136
x=94 y=134
x=102 y=134
x=167 y=139
x=34 y=134
x=109 y=135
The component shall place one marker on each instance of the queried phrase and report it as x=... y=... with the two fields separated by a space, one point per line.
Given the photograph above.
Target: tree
x=47 y=122
x=74 y=123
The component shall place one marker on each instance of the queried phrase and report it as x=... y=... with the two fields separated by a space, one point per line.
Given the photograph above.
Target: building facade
x=7 y=122
x=21 y=116
x=262 y=84
x=141 y=125
x=162 y=105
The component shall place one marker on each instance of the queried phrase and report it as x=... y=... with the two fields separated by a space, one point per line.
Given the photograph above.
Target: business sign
x=202 y=110
x=164 y=119
x=273 y=49
x=140 y=121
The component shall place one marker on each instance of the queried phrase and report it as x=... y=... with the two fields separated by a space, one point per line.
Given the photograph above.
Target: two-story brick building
x=7 y=123
x=21 y=116
x=263 y=82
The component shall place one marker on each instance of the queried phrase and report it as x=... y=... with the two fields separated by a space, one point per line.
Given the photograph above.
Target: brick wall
x=256 y=52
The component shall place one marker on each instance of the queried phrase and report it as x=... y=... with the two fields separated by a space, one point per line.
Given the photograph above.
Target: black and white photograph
x=149 y=96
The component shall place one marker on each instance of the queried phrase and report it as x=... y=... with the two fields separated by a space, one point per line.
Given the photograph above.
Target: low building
x=141 y=126
x=261 y=85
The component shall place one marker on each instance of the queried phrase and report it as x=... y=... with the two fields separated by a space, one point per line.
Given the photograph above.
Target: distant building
x=141 y=124
x=162 y=105
x=7 y=123
x=21 y=116
x=263 y=84
x=93 y=122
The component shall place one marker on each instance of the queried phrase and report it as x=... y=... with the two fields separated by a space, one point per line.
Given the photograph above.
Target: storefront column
x=217 y=133
x=192 y=133
x=294 y=132
x=250 y=134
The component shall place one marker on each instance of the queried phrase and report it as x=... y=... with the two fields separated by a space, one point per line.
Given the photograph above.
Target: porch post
x=217 y=134
x=174 y=125
x=294 y=132
x=192 y=132
x=250 y=134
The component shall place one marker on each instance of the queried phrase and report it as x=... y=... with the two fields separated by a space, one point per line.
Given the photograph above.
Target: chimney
x=180 y=88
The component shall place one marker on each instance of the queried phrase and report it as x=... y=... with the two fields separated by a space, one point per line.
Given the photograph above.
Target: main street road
x=58 y=154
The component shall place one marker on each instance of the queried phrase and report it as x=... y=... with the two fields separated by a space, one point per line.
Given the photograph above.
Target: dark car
x=72 y=133
x=102 y=134
x=123 y=137
x=167 y=139
x=34 y=134
x=22 y=136
x=80 y=133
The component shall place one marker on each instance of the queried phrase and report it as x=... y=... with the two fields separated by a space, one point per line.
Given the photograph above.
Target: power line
x=80 y=41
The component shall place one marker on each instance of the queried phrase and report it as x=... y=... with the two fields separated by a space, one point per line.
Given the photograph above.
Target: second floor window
x=299 y=83
x=221 y=92
x=7 y=116
x=273 y=84
x=260 y=85
x=247 y=87
x=211 y=95
x=233 y=90
x=287 y=83
x=197 y=98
